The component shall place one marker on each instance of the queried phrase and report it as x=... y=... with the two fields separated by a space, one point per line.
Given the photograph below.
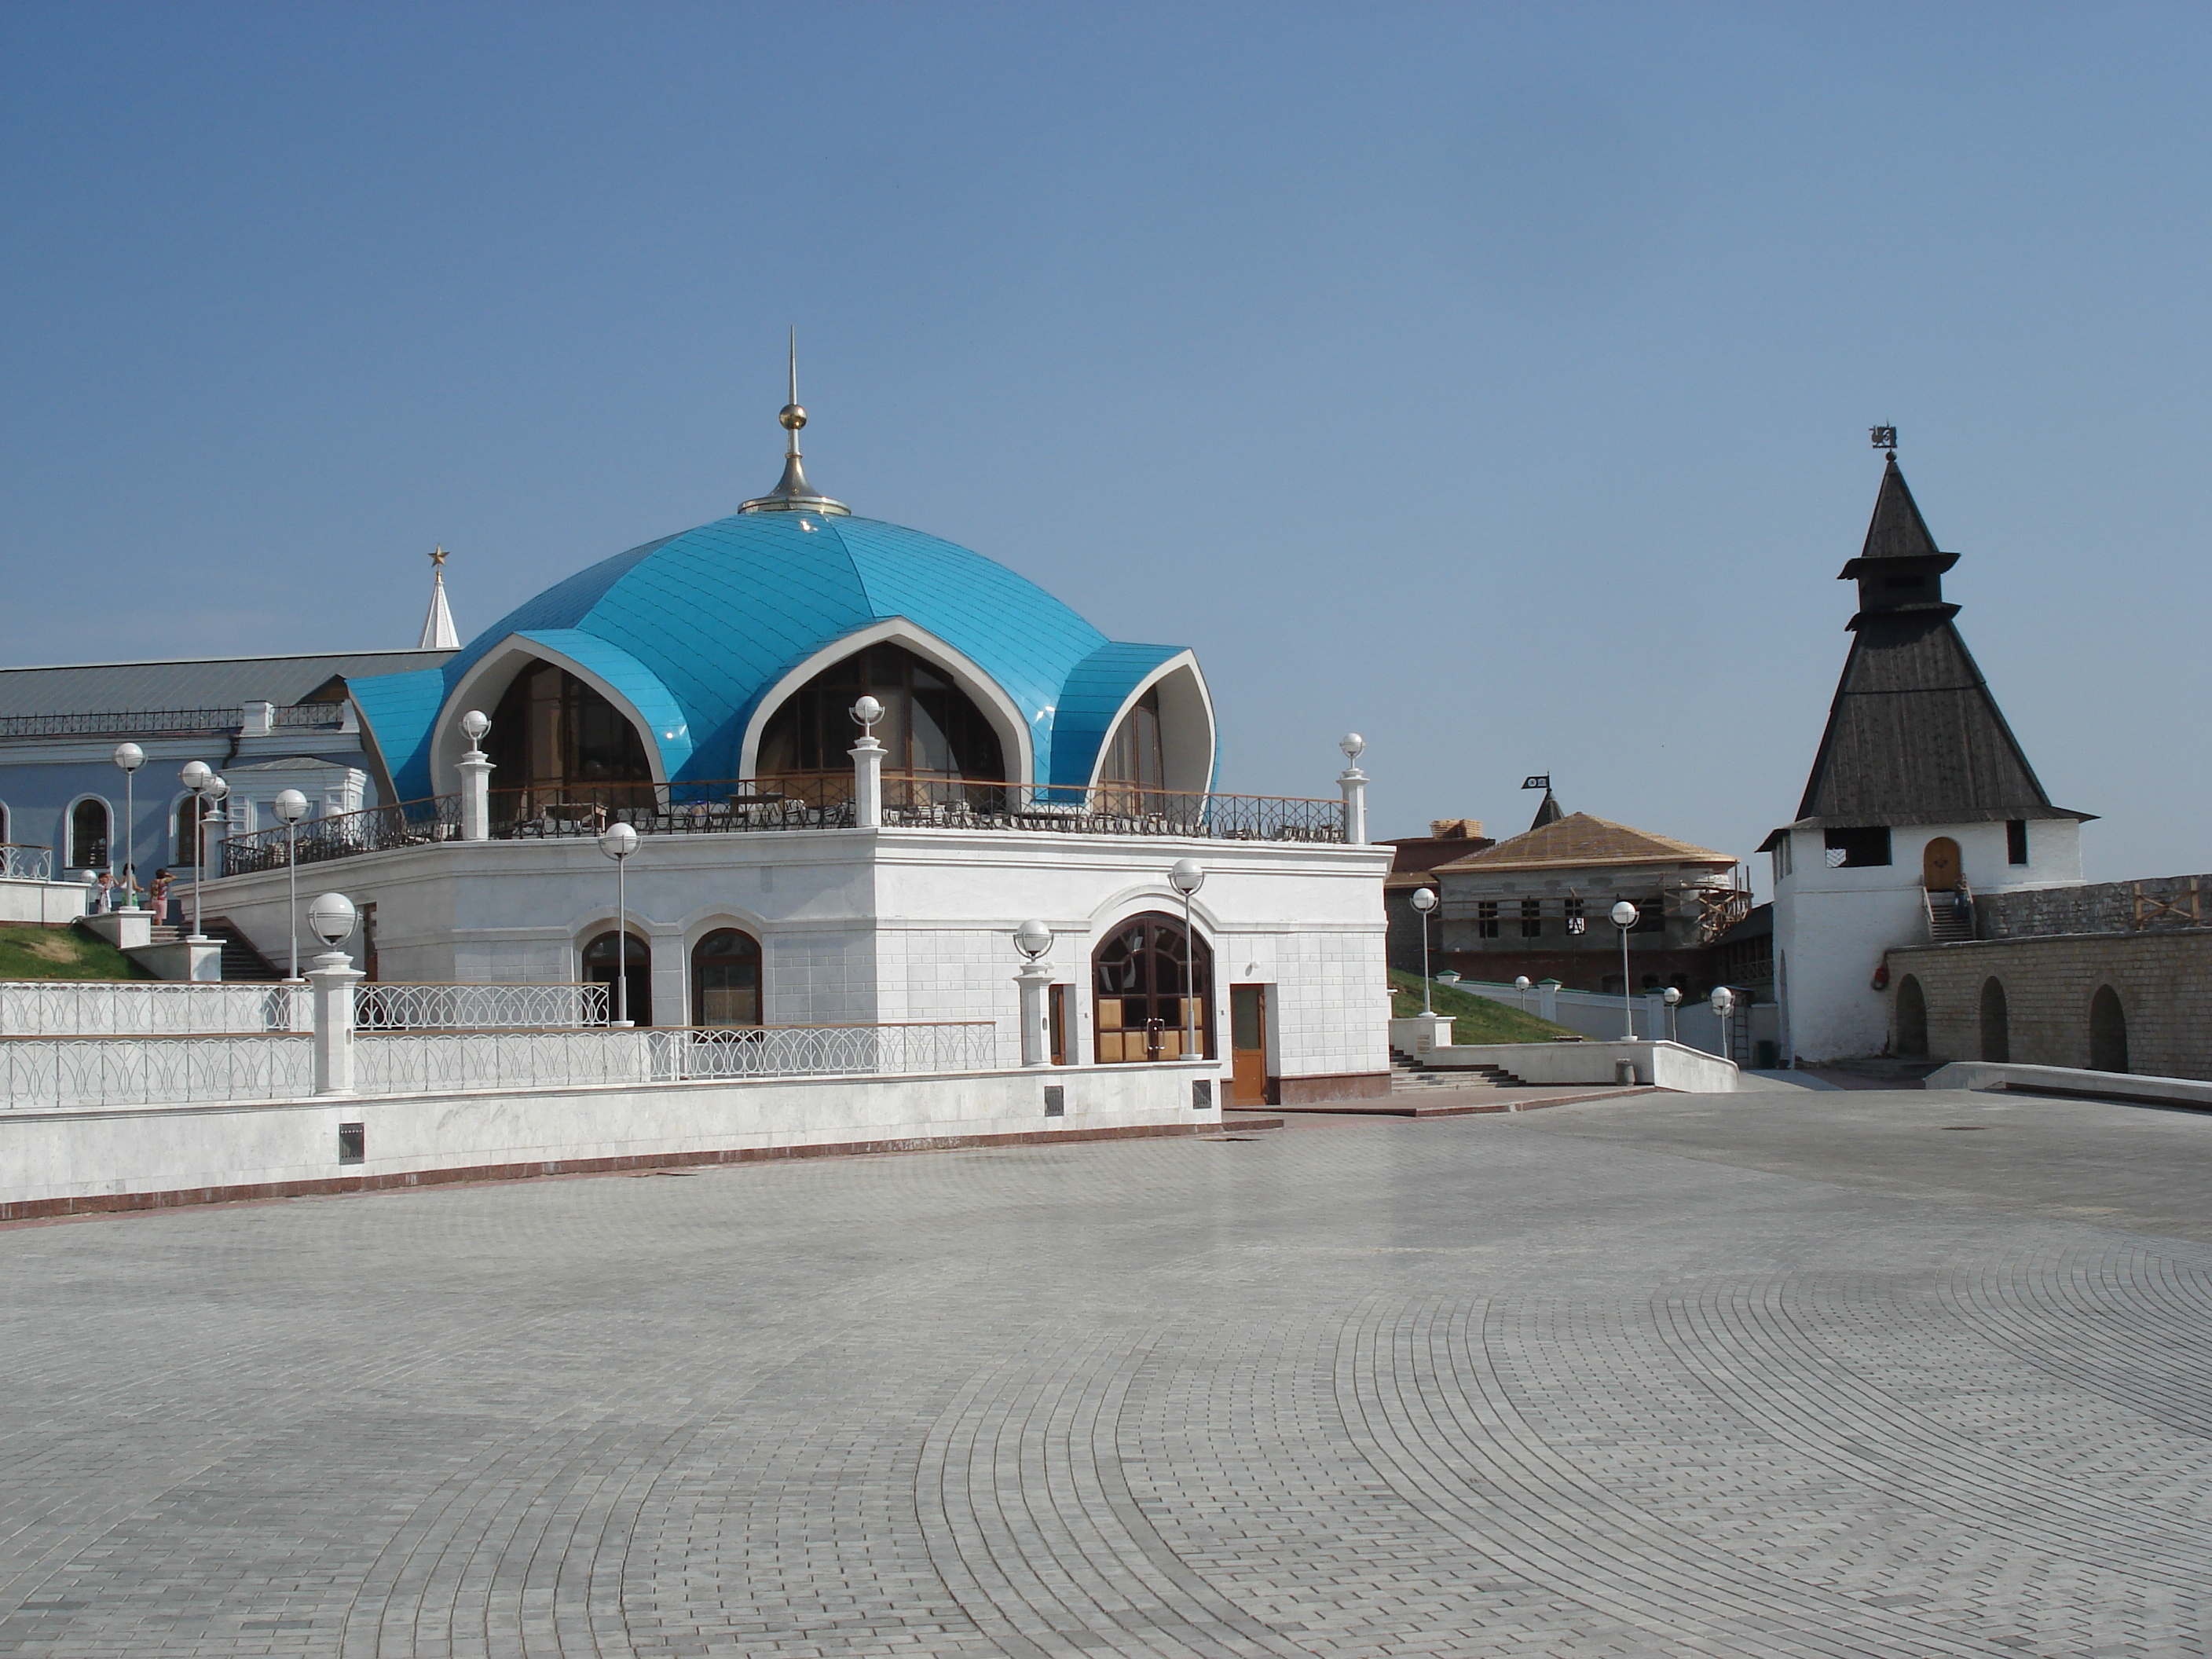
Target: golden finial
x=438 y=558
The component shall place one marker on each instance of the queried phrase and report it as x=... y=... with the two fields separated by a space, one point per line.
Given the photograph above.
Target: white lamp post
x=1521 y=985
x=1624 y=917
x=130 y=756
x=1723 y=1004
x=1187 y=876
x=618 y=840
x=1673 y=998
x=212 y=789
x=290 y=806
x=1033 y=939
x=1423 y=901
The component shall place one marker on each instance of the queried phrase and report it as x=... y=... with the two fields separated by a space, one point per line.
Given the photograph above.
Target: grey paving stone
x=1803 y=1375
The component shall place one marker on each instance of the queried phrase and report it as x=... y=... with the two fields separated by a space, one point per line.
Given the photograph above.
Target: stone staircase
x=1945 y=925
x=242 y=963
x=1409 y=1075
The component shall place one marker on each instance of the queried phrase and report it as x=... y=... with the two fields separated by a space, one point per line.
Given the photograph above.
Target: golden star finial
x=438 y=559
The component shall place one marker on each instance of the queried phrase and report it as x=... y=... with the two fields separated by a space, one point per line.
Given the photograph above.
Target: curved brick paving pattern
x=1611 y=1383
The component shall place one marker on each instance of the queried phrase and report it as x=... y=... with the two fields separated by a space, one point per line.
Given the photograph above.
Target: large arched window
x=1911 y=1018
x=599 y=969
x=188 y=821
x=1134 y=757
x=1996 y=1022
x=1139 y=980
x=89 y=824
x=558 y=745
x=2108 y=1031
x=933 y=732
x=725 y=978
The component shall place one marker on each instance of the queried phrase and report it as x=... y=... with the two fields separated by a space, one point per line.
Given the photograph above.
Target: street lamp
x=130 y=756
x=1423 y=901
x=1032 y=939
x=618 y=840
x=290 y=806
x=333 y=916
x=1723 y=1004
x=1673 y=998
x=1521 y=985
x=1624 y=917
x=211 y=790
x=1186 y=877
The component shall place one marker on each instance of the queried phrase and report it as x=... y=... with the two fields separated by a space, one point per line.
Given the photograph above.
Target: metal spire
x=793 y=494
x=438 y=631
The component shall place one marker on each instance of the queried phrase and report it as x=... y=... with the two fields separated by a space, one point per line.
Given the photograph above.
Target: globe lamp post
x=212 y=789
x=130 y=756
x=1624 y=917
x=1186 y=877
x=618 y=840
x=1724 y=1005
x=1673 y=998
x=1423 y=901
x=290 y=806
x=1521 y=985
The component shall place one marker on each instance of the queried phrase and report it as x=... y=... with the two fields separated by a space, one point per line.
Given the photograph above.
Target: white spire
x=438 y=633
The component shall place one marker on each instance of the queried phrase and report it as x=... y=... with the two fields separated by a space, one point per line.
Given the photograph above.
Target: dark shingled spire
x=1547 y=811
x=1914 y=736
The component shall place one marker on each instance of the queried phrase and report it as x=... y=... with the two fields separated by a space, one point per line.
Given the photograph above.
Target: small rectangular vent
x=1055 y=1100
x=353 y=1143
x=1201 y=1094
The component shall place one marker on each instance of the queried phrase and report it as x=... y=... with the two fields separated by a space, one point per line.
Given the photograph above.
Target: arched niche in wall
x=932 y=730
x=1996 y=1021
x=2108 y=1031
x=599 y=960
x=725 y=978
x=1911 y=1018
x=1162 y=738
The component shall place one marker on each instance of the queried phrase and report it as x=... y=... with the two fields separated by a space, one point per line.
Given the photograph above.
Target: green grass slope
x=31 y=953
x=1475 y=1019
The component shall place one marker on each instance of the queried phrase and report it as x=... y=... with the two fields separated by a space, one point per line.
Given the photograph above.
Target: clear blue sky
x=1492 y=380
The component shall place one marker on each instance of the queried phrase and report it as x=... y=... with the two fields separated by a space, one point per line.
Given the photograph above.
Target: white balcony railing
x=60 y=1074
x=148 y=1008
x=391 y=1007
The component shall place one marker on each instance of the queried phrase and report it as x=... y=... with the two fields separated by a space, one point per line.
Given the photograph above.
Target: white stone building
x=699 y=688
x=1920 y=800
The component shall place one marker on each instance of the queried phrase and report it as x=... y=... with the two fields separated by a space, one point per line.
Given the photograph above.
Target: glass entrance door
x=1141 y=984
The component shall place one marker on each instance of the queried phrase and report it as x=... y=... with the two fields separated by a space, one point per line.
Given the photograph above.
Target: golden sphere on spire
x=792 y=417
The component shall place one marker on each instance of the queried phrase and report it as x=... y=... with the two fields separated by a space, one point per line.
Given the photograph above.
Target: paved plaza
x=1785 y=1373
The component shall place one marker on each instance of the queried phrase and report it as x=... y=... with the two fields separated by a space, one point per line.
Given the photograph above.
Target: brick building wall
x=2096 y=907
x=2163 y=980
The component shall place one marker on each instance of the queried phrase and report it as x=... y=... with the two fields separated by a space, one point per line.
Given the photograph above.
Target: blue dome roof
x=696 y=628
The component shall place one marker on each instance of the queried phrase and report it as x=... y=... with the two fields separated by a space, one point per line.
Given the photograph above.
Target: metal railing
x=1109 y=809
x=435 y=1062
x=20 y=861
x=375 y=829
x=545 y=811
x=149 y=1008
x=55 y=1073
x=394 y=1007
x=128 y=720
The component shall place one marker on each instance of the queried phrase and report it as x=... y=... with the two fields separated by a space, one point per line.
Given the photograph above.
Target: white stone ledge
x=1662 y=1064
x=1986 y=1074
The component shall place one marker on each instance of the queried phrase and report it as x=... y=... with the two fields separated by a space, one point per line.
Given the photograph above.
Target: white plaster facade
x=885 y=925
x=1833 y=924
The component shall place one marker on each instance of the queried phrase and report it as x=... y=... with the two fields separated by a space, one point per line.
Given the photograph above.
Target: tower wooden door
x=1938 y=864
x=1248 y=1044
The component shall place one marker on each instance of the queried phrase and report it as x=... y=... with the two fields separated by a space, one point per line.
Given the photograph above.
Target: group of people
x=111 y=893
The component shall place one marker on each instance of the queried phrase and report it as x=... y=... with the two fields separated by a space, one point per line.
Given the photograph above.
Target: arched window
x=557 y=744
x=188 y=821
x=933 y=730
x=725 y=978
x=4 y=837
x=1996 y=1025
x=87 y=835
x=1139 y=981
x=599 y=969
x=2108 y=1031
x=1135 y=762
x=1911 y=1018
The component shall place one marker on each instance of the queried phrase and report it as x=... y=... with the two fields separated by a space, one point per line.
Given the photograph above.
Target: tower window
x=2016 y=841
x=1531 y=918
x=1858 y=849
x=1485 y=919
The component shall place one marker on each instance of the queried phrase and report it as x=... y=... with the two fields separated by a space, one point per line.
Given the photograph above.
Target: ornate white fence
x=384 y=1007
x=31 y=1007
x=55 y=1073
x=20 y=861
x=829 y=1050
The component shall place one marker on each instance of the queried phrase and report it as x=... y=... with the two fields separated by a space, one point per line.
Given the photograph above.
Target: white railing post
x=476 y=769
x=867 y=783
x=333 y=977
x=1034 y=979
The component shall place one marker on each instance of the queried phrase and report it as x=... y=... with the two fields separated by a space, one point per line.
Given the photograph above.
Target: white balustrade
x=59 y=1073
x=477 y=1007
x=40 y=1007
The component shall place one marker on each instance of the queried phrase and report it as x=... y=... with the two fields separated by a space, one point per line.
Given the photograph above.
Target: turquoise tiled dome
x=696 y=629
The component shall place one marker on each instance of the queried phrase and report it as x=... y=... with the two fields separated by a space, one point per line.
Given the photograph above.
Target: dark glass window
x=636 y=969
x=1531 y=918
x=725 y=978
x=929 y=727
x=2016 y=841
x=1139 y=981
x=555 y=741
x=1854 y=850
x=87 y=835
x=1485 y=919
x=1133 y=759
x=1572 y=909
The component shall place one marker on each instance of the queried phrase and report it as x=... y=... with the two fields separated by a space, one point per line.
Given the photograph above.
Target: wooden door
x=1938 y=864
x=1248 y=1044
